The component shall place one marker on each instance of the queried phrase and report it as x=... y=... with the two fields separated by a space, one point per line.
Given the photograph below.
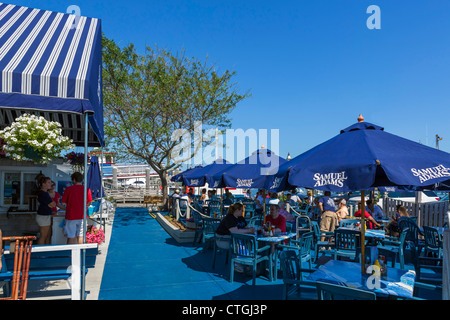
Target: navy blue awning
x=51 y=64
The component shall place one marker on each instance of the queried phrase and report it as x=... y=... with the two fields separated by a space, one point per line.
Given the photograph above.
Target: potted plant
x=76 y=160
x=33 y=138
x=94 y=235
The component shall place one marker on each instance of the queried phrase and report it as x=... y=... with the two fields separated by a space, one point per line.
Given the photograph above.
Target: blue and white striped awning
x=51 y=62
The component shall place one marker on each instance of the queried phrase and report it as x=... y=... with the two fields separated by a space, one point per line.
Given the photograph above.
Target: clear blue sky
x=312 y=66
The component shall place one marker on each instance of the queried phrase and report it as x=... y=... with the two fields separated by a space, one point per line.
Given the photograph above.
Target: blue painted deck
x=146 y=263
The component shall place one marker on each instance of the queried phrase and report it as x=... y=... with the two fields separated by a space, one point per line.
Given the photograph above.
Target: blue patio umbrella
x=94 y=179
x=364 y=156
x=361 y=157
x=249 y=173
x=198 y=178
x=179 y=177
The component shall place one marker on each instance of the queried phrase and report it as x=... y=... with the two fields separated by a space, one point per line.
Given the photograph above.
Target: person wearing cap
x=342 y=211
x=275 y=218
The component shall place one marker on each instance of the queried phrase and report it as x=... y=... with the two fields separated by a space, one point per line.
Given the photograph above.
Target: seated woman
x=234 y=222
x=393 y=228
x=370 y=221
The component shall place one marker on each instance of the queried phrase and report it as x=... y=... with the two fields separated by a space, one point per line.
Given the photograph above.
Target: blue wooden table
x=277 y=238
x=398 y=283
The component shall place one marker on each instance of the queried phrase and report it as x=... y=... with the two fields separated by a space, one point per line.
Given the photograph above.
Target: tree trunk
x=165 y=193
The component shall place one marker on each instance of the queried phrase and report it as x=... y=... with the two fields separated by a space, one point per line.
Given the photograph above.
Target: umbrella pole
x=83 y=251
x=221 y=202
x=363 y=232
x=101 y=189
x=264 y=206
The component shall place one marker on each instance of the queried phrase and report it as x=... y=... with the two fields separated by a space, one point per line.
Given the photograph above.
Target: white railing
x=75 y=278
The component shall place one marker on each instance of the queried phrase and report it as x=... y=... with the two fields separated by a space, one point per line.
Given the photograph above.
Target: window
x=18 y=187
x=11 y=191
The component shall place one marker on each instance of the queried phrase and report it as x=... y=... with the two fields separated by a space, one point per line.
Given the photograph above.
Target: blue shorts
x=73 y=228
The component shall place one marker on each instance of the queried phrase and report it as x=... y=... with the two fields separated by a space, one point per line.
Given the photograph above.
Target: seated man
x=275 y=218
x=370 y=221
x=374 y=210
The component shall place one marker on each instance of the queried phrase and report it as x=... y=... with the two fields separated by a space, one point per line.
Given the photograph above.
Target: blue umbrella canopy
x=179 y=177
x=364 y=156
x=249 y=173
x=94 y=179
x=198 y=178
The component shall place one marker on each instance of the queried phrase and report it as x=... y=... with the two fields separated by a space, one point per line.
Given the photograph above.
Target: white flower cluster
x=42 y=136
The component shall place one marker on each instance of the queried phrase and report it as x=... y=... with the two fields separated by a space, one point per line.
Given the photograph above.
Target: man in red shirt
x=370 y=221
x=275 y=218
x=73 y=198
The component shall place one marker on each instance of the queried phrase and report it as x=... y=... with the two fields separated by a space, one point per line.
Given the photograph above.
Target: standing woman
x=55 y=197
x=44 y=212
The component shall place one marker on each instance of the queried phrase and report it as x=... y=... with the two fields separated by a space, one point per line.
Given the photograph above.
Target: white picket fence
x=428 y=214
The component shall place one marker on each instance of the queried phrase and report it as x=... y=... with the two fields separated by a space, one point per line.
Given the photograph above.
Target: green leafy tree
x=148 y=97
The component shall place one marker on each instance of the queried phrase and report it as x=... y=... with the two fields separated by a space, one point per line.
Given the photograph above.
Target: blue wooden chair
x=430 y=270
x=302 y=225
x=221 y=244
x=198 y=222
x=214 y=208
x=433 y=243
x=302 y=246
x=209 y=228
x=348 y=223
x=255 y=222
x=198 y=205
x=227 y=201
x=412 y=236
x=304 y=208
x=250 y=207
x=293 y=274
x=394 y=247
x=328 y=291
x=347 y=244
x=246 y=252
x=321 y=246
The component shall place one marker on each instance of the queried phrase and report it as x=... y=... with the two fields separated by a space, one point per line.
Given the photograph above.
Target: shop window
x=11 y=187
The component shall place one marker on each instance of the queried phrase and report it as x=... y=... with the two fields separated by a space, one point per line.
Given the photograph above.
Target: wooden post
x=446 y=267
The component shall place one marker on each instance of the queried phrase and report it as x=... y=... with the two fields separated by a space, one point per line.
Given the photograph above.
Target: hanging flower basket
x=30 y=153
x=76 y=160
x=33 y=138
